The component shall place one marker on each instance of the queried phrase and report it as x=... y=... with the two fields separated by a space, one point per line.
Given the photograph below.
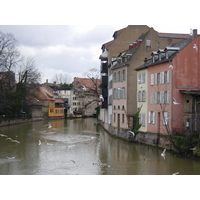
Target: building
x=172 y=90
x=51 y=107
x=124 y=77
x=86 y=96
x=110 y=50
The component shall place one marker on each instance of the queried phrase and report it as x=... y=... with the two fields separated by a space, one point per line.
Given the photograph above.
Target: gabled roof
x=41 y=93
x=89 y=83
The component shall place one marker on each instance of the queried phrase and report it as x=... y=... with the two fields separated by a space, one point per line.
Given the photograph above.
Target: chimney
x=194 y=33
x=139 y=41
x=134 y=44
x=130 y=46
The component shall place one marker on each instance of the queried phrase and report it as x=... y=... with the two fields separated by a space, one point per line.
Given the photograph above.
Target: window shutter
x=156 y=79
x=167 y=76
x=152 y=79
x=167 y=97
x=162 y=77
x=153 y=120
x=149 y=117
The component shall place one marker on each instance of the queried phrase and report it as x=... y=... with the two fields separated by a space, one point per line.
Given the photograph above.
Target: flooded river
x=80 y=147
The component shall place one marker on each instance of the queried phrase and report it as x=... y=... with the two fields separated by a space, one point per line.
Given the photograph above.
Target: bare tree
x=62 y=78
x=94 y=75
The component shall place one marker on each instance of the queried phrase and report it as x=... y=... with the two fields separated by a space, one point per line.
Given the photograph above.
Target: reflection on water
x=79 y=146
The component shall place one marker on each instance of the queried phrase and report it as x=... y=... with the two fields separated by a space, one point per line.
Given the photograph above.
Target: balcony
x=104 y=67
x=104 y=92
x=104 y=80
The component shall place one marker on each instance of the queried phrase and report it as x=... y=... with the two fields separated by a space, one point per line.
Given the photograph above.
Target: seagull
x=171 y=66
x=175 y=102
x=84 y=88
x=2 y=135
x=39 y=142
x=163 y=153
x=101 y=98
x=10 y=157
x=175 y=173
x=195 y=47
x=15 y=141
x=73 y=161
x=9 y=139
x=133 y=134
x=49 y=125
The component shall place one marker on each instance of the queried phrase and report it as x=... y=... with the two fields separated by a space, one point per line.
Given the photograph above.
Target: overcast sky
x=74 y=49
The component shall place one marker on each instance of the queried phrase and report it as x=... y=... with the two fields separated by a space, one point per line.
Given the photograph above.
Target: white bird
x=195 y=47
x=10 y=157
x=175 y=173
x=132 y=133
x=163 y=153
x=101 y=98
x=9 y=139
x=2 y=135
x=39 y=142
x=84 y=88
x=49 y=125
x=175 y=102
x=15 y=141
x=171 y=66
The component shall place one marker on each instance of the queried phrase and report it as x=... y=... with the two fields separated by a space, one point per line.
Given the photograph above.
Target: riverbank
x=156 y=140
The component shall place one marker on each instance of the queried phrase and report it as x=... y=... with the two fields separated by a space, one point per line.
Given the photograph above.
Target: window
x=118 y=75
x=151 y=117
x=165 y=118
x=162 y=97
x=123 y=118
x=152 y=79
x=162 y=77
x=139 y=95
x=143 y=95
x=114 y=77
x=51 y=110
x=152 y=98
x=142 y=119
x=148 y=43
x=166 y=76
x=124 y=75
x=166 y=96
x=158 y=78
x=114 y=117
x=141 y=78
x=158 y=97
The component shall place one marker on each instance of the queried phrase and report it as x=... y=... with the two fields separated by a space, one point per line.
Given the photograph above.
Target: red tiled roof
x=87 y=82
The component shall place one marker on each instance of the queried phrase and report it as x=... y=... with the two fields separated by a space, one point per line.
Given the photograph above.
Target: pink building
x=174 y=88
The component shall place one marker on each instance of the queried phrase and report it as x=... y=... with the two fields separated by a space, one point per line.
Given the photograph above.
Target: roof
x=59 y=101
x=41 y=93
x=90 y=83
x=176 y=47
x=174 y=35
x=190 y=92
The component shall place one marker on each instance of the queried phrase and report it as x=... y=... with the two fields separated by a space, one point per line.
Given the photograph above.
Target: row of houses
x=51 y=100
x=157 y=73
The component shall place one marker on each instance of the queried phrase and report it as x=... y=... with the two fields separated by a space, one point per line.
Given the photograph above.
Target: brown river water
x=80 y=147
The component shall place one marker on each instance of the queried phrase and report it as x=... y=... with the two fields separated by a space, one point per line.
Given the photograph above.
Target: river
x=80 y=147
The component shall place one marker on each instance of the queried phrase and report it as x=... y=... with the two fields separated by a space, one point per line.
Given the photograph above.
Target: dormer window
x=154 y=55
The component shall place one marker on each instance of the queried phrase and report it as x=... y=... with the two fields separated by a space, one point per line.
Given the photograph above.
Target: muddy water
x=80 y=147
